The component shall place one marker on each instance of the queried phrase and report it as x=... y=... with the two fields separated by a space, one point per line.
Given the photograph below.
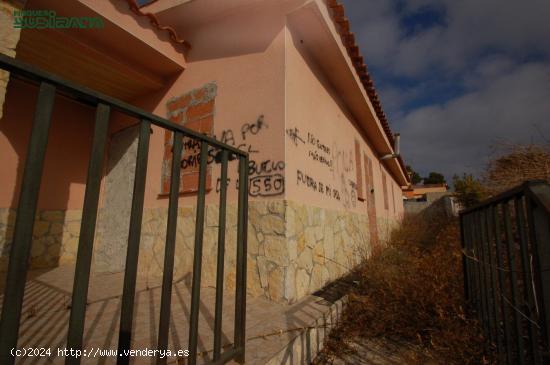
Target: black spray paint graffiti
x=228 y=136
x=337 y=159
x=261 y=185
x=317 y=143
x=320 y=152
x=304 y=179
x=294 y=135
x=192 y=155
x=315 y=156
x=347 y=196
x=192 y=146
x=266 y=178
x=340 y=162
x=265 y=167
x=267 y=185
x=253 y=128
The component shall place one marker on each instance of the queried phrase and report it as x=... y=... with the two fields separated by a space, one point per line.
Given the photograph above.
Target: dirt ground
x=362 y=351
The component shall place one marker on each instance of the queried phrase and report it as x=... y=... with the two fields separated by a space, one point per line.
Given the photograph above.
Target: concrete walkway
x=276 y=333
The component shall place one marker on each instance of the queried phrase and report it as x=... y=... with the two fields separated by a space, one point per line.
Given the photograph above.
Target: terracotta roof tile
x=348 y=39
x=154 y=21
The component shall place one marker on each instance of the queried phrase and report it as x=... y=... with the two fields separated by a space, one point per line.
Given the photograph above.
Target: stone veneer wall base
x=309 y=340
x=293 y=249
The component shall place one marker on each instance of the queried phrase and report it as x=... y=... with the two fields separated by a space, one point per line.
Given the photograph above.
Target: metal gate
x=506 y=259
x=49 y=85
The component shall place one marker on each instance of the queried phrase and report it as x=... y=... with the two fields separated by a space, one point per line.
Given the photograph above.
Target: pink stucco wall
x=248 y=72
x=260 y=69
x=68 y=151
x=244 y=55
x=315 y=109
x=69 y=145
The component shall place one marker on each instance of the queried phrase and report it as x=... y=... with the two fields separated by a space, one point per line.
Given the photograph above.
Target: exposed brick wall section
x=9 y=37
x=359 y=171
x=194 y=110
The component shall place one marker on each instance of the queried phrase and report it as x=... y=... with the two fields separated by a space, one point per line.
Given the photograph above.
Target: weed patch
x=412 y=293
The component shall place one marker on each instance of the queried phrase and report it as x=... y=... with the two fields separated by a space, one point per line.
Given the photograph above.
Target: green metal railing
x=506 y=261
x=49 y=86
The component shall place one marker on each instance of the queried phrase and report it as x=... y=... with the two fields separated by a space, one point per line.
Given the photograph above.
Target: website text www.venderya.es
x=97 y=352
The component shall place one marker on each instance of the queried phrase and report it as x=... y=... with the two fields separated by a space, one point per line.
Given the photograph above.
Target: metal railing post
x=20 y=251
x=24 y=223
x=242 y=228
x=221 y=254
x=197 y=260
x=134 y=237
x=87 y=233
x=169 y=248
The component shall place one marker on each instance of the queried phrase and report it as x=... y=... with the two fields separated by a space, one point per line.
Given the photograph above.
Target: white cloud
x=470 y=28
x=490 y=57
x=456 y=136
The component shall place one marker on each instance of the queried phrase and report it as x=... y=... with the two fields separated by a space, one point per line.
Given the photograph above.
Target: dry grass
x=515 y=163
x=412 y=293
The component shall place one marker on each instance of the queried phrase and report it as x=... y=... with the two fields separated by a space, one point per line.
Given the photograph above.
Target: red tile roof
x=348 y=38
x=154 y=21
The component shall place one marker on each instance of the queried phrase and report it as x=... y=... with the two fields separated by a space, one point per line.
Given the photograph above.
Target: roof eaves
x=154 y=21
x=348 y=39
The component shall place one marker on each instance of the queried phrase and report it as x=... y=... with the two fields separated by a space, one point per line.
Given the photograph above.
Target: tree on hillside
x=415 y=176
x=468 y=190
x=434 y=178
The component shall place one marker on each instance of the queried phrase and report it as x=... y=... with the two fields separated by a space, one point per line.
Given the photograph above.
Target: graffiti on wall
x=266 y=180
x=266 y=177
x=195 y=110
x=319 y=151
x=316 y=185
x=294 y=135
x=337 y=159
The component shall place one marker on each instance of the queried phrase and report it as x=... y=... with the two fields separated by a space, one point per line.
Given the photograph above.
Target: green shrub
x=469 y=191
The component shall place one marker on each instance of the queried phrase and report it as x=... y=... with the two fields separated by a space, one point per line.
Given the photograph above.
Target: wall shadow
x=63 y=183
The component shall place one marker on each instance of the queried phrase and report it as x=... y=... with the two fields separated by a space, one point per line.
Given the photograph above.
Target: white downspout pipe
x=395 y=149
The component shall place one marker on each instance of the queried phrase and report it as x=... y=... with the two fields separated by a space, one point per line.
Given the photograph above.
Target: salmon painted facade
x=279 y=79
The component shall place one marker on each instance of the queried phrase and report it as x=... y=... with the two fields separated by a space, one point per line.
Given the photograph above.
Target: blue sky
x=457 y=78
